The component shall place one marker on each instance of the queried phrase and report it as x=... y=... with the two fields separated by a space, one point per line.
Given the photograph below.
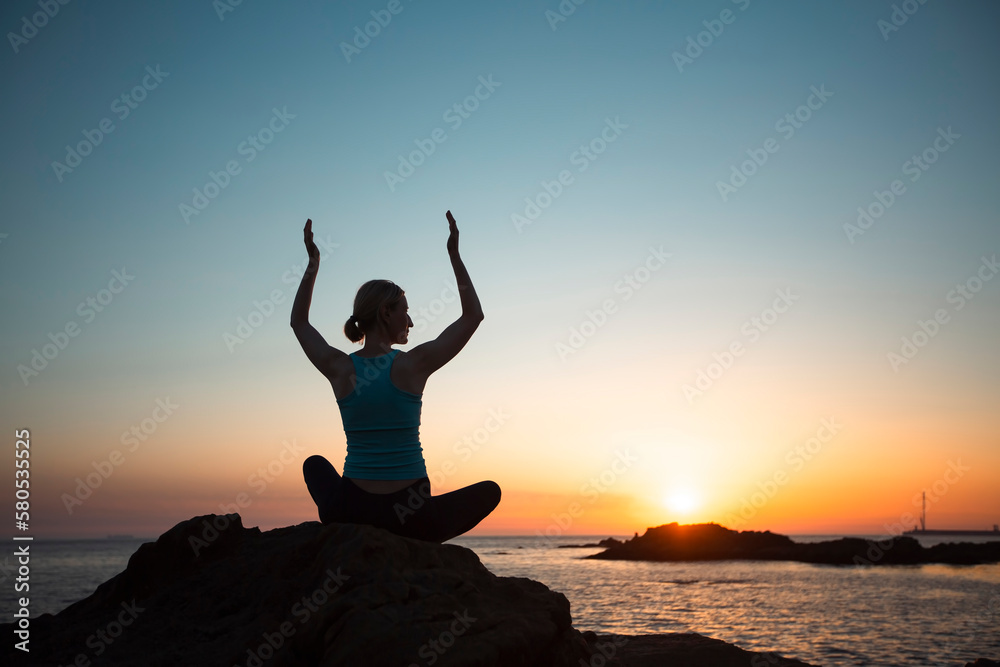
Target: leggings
x=409 y=512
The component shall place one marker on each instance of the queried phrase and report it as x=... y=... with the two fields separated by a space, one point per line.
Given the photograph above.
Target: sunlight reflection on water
x=825 y=615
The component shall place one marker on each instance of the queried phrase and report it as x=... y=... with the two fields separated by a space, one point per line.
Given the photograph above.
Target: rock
x=606 y=543
x=211 y=592
x=710 y=541
x=688 y=650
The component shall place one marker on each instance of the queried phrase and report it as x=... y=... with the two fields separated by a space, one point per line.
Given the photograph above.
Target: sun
x=682 y=501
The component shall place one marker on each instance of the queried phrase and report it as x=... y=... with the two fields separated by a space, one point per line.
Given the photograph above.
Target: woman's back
x=402 y=374
x=382 y=423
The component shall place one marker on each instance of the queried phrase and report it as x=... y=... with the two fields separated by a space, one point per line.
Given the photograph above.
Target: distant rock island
x=211 y=592
x=710 y=541
x=606 y=543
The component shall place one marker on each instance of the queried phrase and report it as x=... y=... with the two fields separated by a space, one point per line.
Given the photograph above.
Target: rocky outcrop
x=710 y=541
x=211 y=592
x=606 y=543
x=685 y=650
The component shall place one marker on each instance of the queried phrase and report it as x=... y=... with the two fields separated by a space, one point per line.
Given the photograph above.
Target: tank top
x=382 y=424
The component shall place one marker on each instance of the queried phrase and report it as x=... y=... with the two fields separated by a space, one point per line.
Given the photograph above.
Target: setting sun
x=681 y=501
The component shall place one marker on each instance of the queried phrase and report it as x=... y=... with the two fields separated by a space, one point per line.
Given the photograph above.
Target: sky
x=737 y=259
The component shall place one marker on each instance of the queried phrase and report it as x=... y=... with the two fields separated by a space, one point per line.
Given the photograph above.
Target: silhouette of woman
x=379 y=392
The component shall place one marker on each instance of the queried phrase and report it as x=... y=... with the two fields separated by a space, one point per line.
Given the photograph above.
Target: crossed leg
x=323 y=482
x=410 y=512
x=454 y=513
x=467 y=506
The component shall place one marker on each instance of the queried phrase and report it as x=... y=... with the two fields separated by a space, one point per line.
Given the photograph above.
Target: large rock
x=710 y=541
x=211 y=592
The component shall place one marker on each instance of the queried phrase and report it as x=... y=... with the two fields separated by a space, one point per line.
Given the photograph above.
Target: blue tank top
x=382 y=424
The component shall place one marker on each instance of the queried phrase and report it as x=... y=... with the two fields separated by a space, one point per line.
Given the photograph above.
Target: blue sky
x=345 y=124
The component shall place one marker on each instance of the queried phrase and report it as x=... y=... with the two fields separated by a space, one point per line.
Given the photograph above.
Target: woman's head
x=380 y=305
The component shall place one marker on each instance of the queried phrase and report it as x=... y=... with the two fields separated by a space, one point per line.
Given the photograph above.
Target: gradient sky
x=606 y=439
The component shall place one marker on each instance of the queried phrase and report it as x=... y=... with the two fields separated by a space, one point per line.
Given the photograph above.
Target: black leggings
x=409 y=512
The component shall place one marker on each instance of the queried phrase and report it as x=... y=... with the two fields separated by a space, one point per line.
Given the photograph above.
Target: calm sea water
x=901 y=615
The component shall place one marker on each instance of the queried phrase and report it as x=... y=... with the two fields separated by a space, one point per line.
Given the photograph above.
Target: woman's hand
x=453 y=237
x=311 y=248
x=472 y=311
x=300 y=306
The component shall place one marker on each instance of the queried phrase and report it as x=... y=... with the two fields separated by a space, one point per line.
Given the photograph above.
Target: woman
x=378 y=390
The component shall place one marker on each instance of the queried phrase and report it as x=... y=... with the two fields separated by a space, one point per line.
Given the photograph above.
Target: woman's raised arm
x=300 y=307
x=471 y=308
x=434 y=354
x=320 y=353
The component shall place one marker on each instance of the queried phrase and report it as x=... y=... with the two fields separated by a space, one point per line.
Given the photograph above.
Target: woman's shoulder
x=405 y=374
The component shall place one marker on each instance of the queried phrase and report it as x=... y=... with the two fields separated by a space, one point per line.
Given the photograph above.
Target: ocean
x=919 y=615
